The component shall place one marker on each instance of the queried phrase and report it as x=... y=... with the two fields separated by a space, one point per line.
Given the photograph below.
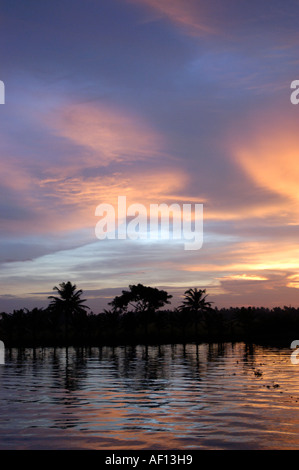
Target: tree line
x=139 y=316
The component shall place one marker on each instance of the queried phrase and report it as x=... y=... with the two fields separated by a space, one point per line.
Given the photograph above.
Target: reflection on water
x=226 y=396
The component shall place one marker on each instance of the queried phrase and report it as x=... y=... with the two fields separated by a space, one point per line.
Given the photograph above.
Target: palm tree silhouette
x=68 y=304
x=195 y=303
x=195 y=300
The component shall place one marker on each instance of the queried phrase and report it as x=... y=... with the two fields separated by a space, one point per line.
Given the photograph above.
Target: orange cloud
x=63 y=196
x=83 y=195
x=269 y=155
x=243 y=213
x=106 y=134
x=244 y=277
x=137 y=187
x=188 y=14
x=253 y=258
x=293 y=281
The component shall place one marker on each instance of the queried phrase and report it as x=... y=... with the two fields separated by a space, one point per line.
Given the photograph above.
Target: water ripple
x=228 y=396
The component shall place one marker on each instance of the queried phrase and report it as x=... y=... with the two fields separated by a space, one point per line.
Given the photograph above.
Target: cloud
x=244 y=277
x=94 y=147
x=75 y=199
x=186 y=14
x=250 y=256
x=269 y=156
x=229 y=19
x=293 y=281
x=100 y=110
x=106 y=135
x=258 y=294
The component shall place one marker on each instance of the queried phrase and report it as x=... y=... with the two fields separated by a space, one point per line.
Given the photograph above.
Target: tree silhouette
x=69 y=304
x=195 y=304
x=128 y=321
x=195 y=300
x=142 y=299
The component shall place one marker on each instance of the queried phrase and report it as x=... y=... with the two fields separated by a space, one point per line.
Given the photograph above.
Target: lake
x=217 y=396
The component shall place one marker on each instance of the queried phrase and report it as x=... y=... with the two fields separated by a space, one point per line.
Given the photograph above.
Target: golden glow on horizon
x=270 y=266
x=252 y=256
x=244 y=277
x=294 y=281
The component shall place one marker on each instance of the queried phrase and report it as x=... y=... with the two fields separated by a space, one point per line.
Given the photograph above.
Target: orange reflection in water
x=217 y=396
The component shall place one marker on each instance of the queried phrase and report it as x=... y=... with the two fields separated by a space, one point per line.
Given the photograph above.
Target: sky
x=161 y=101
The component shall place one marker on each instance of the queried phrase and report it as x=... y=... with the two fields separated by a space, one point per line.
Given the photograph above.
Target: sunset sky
x=161 y=101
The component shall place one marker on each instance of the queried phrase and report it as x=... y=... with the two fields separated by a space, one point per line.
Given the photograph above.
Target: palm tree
x=68 y=304
x=195 y=303
x=195 y=300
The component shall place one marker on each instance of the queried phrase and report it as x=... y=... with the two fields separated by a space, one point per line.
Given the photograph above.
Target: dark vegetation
x=139 y=316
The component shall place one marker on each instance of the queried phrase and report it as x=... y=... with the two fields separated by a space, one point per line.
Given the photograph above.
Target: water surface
x=220 y=396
